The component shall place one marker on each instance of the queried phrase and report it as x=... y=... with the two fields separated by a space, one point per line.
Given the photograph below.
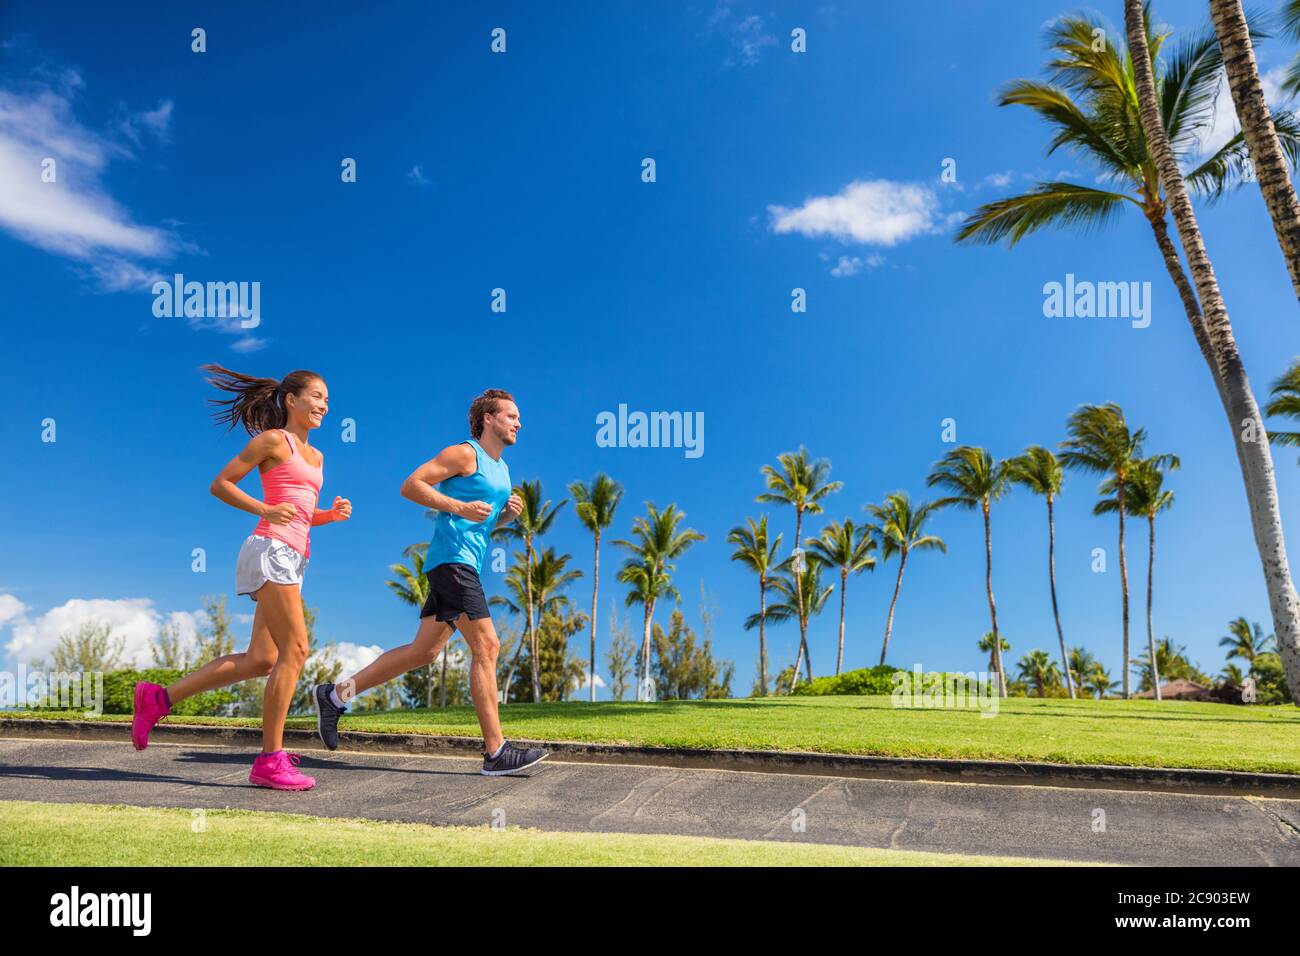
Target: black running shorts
x=454 y=589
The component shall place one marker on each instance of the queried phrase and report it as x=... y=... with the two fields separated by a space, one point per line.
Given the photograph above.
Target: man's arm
x=514 y=505
x=453 y=460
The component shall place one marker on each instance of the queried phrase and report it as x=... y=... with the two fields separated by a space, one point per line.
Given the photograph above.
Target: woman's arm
x=341 y=511
x=226 y=485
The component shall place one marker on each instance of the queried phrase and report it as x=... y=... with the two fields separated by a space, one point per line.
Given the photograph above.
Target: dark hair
x=258 y=403
x=486 y=404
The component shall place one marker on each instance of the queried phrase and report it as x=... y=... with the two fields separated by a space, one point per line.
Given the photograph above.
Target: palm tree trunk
x=430 y=694
x=595 y=586
x=1258 y=130
x=1151 y=639
x=645 y=651
x=1244 y=419
x=798 y=662
x=1123 y=583
x=442 y=684
x=532 y=627
x=844 y=586
x=993 y=609
x=798 y=590
x=762 y=638
x=889 y=621
x=1051 y=576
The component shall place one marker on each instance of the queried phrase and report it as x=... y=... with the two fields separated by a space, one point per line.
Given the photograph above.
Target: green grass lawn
x=1132 y=732
x=80 y=834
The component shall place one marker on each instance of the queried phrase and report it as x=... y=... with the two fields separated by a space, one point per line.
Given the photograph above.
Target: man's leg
x=424 y=650
x=484 y=646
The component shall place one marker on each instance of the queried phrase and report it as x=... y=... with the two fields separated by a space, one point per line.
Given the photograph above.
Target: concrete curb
x=933 y=770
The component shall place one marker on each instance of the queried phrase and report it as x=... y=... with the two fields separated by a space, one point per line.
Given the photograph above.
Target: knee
x=427 y=653
x=262 y=664
x=487 y=648
x=296 y=653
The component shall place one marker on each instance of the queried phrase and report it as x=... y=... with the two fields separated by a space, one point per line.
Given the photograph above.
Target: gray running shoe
x=327 y=715
x=512 y=759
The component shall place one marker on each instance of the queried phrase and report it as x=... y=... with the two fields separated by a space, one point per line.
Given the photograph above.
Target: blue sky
x=522 y=171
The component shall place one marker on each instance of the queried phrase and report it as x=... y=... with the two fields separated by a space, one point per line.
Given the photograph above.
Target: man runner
x=473 y=497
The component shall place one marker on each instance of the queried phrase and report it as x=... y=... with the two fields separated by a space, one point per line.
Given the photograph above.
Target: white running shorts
x=267 y=559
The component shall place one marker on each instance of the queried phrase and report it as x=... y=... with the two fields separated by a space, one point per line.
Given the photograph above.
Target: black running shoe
x=511 y=759
x=327 y=715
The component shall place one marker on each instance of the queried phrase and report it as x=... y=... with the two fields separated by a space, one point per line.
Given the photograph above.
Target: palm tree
x=848 y=548
x=1239 y=404
x=1146 y=498
x=1040 y=471
x=1093 y=107
x=899 y=528
x=1284 y=399
x=1098 y=681
x=412 y=587
x=534 y=521
x=804 y=595
x=1257 y=125
x=975 y=480
x=1039 y=670
x=648 y=570
x=1100 y=442
x=596 y=504
x=802 y=484
x=1137 y=139
x=754 y=551
x=541 y=586
x=1081 y=662
x=986 y=645
x=1246 y=642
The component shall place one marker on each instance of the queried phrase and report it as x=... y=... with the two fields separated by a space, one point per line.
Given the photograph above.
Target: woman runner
x=279 y=415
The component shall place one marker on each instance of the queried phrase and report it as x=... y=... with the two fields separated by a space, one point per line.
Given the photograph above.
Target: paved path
x=1045 y=822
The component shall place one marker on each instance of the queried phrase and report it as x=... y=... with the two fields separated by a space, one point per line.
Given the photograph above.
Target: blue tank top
x=461 y=541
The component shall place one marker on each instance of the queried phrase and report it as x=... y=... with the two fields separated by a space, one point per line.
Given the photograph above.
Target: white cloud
x=74 y=216
x=582 y=685
x=10 y=608
x=852 y=265
x=133 y=619
x=155 y=122
x=248 y=343
x=1223 y=123
x=353 y=656
x=874 y=212
x=998 y=179
x=747 y=34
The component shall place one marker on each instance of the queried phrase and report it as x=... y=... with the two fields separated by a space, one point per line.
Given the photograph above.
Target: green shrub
x=119 y=689
x=866 y=681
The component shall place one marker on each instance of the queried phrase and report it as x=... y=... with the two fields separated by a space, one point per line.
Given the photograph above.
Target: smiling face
x=309 y=407
x=504 y=422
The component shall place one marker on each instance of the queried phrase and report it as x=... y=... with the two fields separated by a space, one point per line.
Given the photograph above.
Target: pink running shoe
x=278 y=772
x=150 y=707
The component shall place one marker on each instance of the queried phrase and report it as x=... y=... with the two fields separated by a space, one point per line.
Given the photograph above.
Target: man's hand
x=474 y=510
x=514 y=506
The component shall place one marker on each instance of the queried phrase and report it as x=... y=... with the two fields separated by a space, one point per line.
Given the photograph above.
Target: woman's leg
x=428 y=644
x=281 y=606
x=257 y=661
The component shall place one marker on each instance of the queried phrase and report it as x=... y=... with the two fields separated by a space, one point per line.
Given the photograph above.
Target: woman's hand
x=282 y=513
x=342 y=509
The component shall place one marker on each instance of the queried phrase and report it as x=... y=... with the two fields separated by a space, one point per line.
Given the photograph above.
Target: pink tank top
x=298 y=483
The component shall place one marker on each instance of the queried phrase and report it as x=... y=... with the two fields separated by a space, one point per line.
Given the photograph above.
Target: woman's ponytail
x=257 y=403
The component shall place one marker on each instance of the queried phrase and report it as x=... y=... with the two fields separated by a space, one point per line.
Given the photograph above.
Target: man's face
x=504 y=422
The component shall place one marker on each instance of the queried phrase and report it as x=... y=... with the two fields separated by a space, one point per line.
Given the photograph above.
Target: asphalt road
x=1145 y=828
